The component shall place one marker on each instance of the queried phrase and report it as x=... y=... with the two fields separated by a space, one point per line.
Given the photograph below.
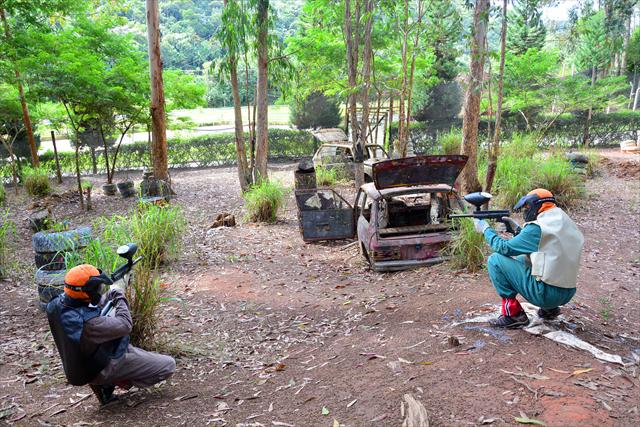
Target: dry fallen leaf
x=580 y=371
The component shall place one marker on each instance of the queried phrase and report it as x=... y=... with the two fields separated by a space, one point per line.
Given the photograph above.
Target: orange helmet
x=536 y=202
x=84 y=282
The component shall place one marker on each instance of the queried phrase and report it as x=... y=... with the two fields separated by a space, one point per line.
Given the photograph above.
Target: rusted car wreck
x=400 y=219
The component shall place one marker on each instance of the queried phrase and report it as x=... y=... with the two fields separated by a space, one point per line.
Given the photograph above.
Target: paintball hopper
x=127 y=251
x=478 y=199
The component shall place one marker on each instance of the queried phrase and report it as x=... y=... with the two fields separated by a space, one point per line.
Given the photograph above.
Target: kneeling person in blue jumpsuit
x=95 y=349
x=540 y=263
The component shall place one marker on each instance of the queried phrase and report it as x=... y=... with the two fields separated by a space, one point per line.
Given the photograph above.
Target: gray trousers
x=136 y=367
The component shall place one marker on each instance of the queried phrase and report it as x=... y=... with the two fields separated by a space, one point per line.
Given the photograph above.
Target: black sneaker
x=511 y=322
x=104 y=393
x=548 y=313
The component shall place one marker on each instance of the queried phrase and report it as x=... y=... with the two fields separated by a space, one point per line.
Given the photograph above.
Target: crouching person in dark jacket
x=94 y=348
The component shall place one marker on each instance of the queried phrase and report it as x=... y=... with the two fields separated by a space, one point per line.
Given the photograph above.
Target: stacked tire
x=50 y=249
x=126 y=188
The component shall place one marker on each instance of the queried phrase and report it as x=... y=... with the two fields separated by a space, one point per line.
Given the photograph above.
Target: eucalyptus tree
x=471 y=116
x=593 y=53
x=262 y=102
x=233 y=37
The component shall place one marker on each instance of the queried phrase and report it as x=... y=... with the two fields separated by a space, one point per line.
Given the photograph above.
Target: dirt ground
x=271 y=331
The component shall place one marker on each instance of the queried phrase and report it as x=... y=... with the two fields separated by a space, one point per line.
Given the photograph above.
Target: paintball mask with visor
x=534 y=203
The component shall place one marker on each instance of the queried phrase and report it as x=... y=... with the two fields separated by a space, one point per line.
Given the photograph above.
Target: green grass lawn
x=278 y=115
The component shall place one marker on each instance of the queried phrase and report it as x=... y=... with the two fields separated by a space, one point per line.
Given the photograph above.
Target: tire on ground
x=50 y=284
x=62 y=241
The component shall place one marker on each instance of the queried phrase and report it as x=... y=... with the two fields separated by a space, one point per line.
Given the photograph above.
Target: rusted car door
x=323 y=214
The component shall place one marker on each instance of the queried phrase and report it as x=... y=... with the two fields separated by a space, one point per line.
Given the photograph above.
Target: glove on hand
x=514 y=225
x=115 y=294
x=480 y=225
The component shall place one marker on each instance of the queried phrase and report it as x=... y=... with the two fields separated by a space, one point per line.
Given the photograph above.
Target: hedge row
x=183 y=152
x=567 y=130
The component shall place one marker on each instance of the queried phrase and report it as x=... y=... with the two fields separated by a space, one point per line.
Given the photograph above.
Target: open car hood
x=419 y=170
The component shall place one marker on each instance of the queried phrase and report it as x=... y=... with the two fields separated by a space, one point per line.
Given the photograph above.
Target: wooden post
x=55 y=155
x=158 y=129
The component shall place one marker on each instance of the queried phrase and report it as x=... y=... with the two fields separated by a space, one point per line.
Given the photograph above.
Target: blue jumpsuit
x=512 y=276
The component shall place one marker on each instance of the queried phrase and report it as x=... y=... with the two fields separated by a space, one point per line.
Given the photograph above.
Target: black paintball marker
x=121 y=276
x=480 y=198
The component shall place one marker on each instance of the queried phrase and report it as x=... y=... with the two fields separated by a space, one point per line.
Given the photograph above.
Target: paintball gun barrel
x=480 y=198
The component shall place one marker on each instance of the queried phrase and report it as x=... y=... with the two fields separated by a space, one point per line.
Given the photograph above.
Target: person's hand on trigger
x=480 y=225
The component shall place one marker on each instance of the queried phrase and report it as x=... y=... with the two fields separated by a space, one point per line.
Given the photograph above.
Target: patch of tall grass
x=6 y=228
x=513 y=179
x=264 y=200
x=326 y=177
x=450 y=143
x=522 y=167
x=3 y=194
x=36 y=181
x=520 y=145
x=593 y=164
x=556 y=175
x=467 y=246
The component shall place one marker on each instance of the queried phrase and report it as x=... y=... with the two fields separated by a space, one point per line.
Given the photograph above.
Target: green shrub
x=326 y=177
x=513 y=179
x=450 y=142
x=467 y=246
x=158 y=232
x=315 y=111
x=36 y=181
x=264 y=200
x=556 y=175
x=520 y=145
x=183 y=152
x=6 y=228
x=3 y=194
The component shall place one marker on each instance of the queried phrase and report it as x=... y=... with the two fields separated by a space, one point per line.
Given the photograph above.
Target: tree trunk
x=106 y=157
x=378 y=107
x=78 y=178
x=494 y=148
x=402 y=150
x=412 y=69
x=262 y=125
x=625 y=44
x=94 y=162
x=389 y=143
x=241 y=151
x=366 y=79
x=55 y=154
x=587 y=124
x=470 y=182
x=26 y=118
x=159 y=155
x=352 y=42
x=250 y=172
